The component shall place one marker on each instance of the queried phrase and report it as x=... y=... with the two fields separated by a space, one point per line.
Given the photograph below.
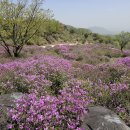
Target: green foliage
x=79 y=58
x=113 y=54
x=25 y=22
x=19 y=22
x=3 y=117
x=115 y=75
x=58 y=80
x=9 y=82
x=5 y=80
x=21 y=85
x=123 y=38
x=113 y=100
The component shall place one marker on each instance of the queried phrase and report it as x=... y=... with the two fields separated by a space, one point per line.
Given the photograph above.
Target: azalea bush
x=11 y=82
x=48 y=112
x=113 y=96
x=61 y=82
x=34 y=74
x=125 y=61
x=62 y=49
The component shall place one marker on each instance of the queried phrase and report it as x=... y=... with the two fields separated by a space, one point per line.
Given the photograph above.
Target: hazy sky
x=113 y=15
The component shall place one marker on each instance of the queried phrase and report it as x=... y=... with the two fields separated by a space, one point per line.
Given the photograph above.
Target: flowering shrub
x=126 y=53
x=53 y=98
x=113 y=96
x=35 y=73
x=48 y=112
x=58 y=80
x=121 y=109
x=70 y=56
x=125 y=61
x=3 y=117
x=112 y=72
x=62 y=48
x=117 y=94
x=116 y=88
x=12 y=82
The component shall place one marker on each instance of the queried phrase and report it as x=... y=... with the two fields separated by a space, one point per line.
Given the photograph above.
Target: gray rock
x=100 y=118
x=6 y=101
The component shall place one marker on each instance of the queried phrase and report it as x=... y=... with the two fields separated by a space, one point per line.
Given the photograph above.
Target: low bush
x=48 y=112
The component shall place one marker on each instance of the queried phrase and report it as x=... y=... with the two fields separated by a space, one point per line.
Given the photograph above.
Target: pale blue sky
x=113 y=15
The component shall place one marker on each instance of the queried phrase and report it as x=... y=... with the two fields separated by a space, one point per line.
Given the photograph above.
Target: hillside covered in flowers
x=60 y=82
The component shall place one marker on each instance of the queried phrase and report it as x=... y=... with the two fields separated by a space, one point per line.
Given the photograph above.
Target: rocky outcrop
x=100 y=118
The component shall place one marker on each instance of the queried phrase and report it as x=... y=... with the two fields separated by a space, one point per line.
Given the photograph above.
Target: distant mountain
x=101 y=30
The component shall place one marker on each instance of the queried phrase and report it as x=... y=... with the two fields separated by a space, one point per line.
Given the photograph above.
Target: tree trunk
x=122 y=48
x=16 y=54
x=8 y=51
x=17 y=50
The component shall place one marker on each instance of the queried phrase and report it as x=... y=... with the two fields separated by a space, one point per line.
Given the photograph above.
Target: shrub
x=49 y=112
x=115 y=75
x=35 y=74
x=125 y=61
x=58 y=80
x=113 y=96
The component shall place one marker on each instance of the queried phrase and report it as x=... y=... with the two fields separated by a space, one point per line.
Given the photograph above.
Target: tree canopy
x=123 y=38
x=19 y=22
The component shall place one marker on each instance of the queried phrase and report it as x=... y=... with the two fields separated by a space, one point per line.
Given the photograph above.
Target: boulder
x=100 y=118
x=6 y=101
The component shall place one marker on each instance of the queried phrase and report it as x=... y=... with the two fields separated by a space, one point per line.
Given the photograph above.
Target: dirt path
x=70 y=44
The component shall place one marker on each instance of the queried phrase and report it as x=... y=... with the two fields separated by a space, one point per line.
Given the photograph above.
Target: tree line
x=26 y=22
